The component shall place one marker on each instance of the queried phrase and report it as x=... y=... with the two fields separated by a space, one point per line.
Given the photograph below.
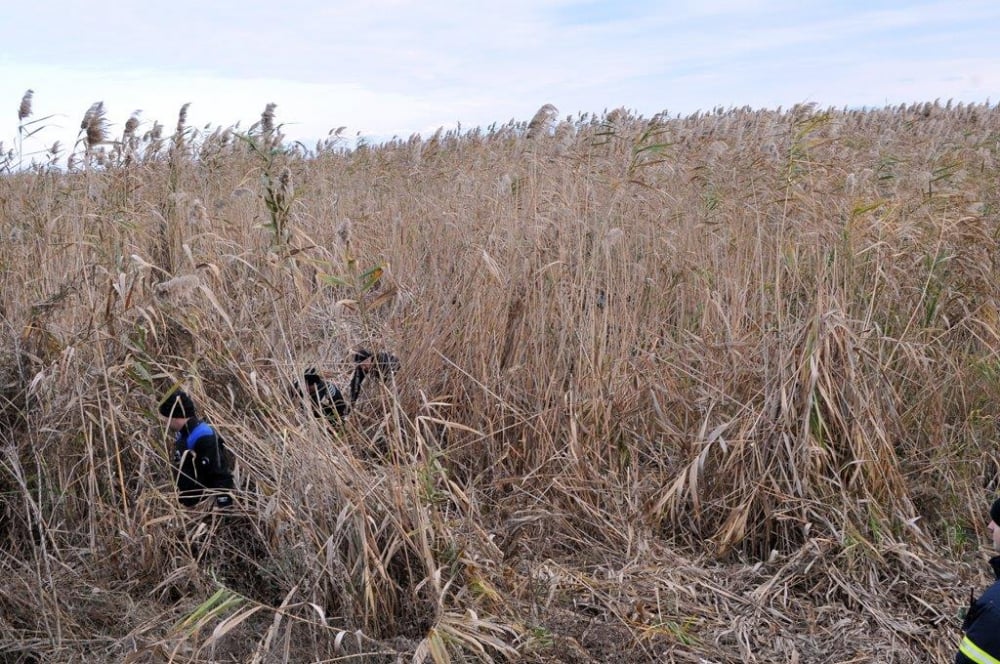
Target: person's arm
x=335 y=408
x=981 y=643
x=207 y=456
x=211 y=467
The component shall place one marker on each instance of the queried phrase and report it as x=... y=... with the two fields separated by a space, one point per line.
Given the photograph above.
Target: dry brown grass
x=708 y=389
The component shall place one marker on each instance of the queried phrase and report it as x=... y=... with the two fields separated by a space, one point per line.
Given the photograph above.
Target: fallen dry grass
x=708 y=389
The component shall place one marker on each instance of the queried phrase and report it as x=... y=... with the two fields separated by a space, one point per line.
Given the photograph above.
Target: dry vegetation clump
x=717 y=388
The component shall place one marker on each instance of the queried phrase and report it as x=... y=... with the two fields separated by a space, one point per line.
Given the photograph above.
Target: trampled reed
x=672 y=389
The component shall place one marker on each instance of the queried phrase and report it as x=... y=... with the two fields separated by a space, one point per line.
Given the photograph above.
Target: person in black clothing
x=981 y=643
x=327 y=399
x=200 y=467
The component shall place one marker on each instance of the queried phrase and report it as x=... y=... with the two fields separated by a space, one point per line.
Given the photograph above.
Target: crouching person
x=200 y=467
x=981 y=643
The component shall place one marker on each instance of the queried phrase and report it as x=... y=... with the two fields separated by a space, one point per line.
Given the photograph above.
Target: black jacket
x=326 y=397
x=200 y=465
x=981 y=644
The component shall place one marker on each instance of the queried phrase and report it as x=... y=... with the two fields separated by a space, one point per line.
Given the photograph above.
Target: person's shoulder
x=202 y=430
x=992 y=595
x=982 y=625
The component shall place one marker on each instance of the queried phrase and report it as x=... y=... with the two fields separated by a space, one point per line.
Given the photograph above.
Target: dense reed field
x=719 y=388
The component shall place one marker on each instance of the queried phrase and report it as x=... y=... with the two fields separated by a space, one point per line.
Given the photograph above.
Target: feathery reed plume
x=286 y=189
x=199 y=215
x=53 y=153
x=182 y=117
x=23 y=113
x=154 y=134
x=267 y=119
x=153 y=139
x=344 y=232
x=543 y=119
x=24 y=110
x=179 y=148
x=94 y=125
x=177 y=286
x=130 y=142
x=131 y=125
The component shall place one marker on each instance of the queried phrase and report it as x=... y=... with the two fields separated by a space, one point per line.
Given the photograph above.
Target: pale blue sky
x=397 y=67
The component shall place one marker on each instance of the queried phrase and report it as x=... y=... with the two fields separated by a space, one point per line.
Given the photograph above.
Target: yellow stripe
x=975 y=653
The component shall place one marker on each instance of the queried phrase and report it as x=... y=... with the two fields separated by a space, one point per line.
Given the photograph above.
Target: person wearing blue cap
x=981 y=642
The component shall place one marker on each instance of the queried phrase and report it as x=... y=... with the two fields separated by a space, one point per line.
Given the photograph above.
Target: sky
x=384 y=68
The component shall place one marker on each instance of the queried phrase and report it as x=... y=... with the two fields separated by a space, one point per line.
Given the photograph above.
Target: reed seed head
x=24 y=110
x=131 y=125
x=95 y=125
x=543 y=119
x=344 y=231
x=285 y=187
x=155 y=133
x=182 y=117
x=267 y=118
